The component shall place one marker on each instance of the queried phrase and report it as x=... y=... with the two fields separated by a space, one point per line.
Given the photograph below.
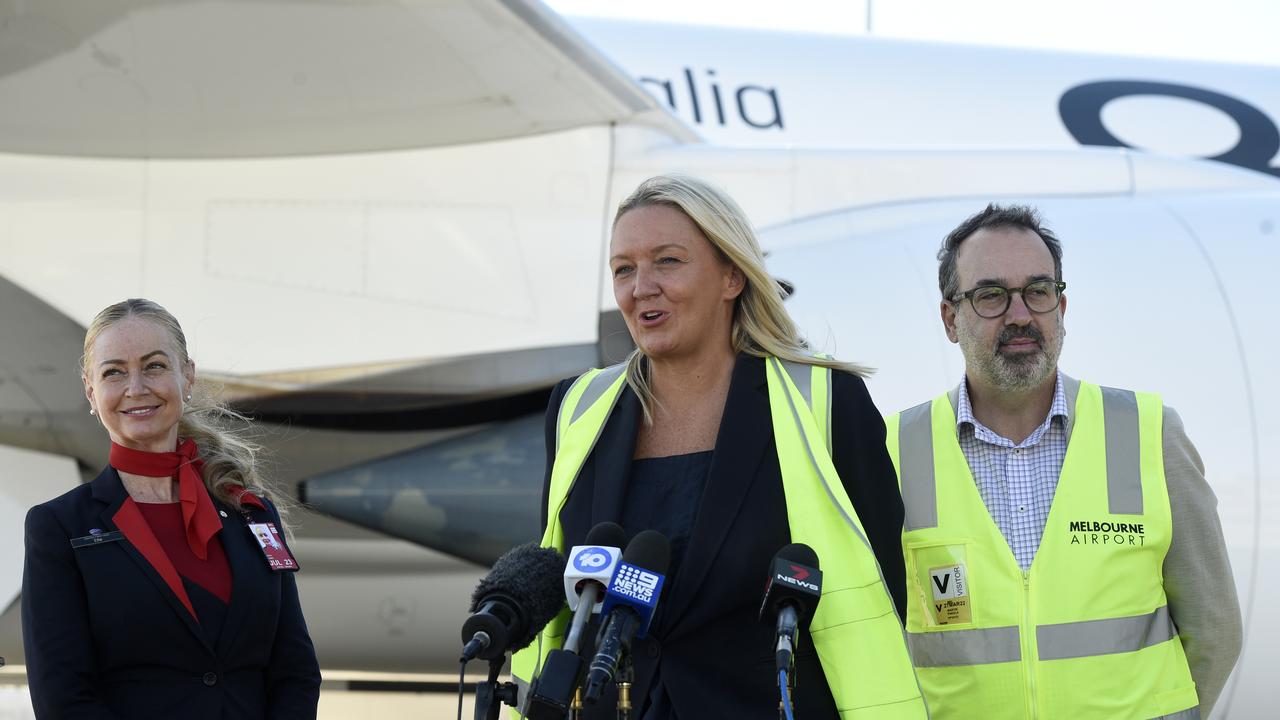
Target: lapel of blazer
x=611 y=462
x=142 y=547
x=745 y=432
x=247 y=565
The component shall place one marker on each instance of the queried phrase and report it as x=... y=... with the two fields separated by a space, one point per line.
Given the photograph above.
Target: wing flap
x=229 y=78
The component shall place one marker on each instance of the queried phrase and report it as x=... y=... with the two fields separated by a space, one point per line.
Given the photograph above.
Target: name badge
x=277 y=555
x=950 y=595
x=97 y=538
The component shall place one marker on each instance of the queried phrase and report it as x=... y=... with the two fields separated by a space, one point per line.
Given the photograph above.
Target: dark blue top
x=664 y=494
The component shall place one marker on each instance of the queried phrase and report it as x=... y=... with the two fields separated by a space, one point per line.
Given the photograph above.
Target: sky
x=1243 y=31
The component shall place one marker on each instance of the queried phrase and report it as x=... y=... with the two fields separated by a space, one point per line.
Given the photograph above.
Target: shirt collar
x=964 y=409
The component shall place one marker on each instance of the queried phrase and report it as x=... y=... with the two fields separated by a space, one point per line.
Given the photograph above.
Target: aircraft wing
x=45 y=427
x=42 y=403
x=243 y=78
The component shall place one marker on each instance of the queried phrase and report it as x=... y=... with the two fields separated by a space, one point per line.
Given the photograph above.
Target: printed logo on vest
x=1117 y=534
x=950 y=587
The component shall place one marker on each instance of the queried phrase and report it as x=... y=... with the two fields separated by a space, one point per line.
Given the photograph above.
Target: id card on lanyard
x=267 y=535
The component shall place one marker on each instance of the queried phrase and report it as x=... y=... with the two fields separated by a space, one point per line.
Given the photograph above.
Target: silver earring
x=188 y=398
x=92 y=411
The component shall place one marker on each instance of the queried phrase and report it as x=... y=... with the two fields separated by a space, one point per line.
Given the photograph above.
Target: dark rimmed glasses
x=992 y=301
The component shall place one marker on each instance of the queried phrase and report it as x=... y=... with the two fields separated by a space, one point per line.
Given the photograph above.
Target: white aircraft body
x=383 y=224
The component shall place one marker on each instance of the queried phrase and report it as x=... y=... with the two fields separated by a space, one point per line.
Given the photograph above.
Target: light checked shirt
x=1016 y=482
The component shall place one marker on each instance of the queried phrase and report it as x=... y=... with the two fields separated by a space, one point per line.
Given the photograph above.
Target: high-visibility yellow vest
x=855 y=629
x=1085 y=632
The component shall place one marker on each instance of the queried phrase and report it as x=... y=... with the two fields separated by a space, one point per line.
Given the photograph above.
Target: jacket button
x=210 y=679
x=654 y=650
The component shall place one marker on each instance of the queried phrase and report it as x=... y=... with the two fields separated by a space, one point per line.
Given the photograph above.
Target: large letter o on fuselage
x=1081 y=111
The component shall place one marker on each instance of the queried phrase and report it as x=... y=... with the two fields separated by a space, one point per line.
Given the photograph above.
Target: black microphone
x=511 y=605
x=629 y=604
x=586 y=574
x=791 y=596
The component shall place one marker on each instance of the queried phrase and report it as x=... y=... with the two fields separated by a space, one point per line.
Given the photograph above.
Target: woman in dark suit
x=146 y=593
x=690 y=448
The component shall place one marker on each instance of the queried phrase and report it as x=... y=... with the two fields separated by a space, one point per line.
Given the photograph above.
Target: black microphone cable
x=462 y=684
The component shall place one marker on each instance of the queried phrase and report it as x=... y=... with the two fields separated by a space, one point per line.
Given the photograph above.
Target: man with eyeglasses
x=1064 y=555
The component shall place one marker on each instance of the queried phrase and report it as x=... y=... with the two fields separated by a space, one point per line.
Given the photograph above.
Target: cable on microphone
x=786 y=696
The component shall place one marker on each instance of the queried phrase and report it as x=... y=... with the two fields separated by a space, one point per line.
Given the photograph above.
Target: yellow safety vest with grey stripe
x=1085 y=632
x=855 y=629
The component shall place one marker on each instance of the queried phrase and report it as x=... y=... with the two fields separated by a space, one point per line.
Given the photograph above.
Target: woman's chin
x=140 y=439
x=658 y=351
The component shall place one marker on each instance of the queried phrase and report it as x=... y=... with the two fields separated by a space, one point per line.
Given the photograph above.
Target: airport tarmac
x=15 y=704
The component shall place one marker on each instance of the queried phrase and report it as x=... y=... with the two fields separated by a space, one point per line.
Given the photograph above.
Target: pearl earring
x=92 y=411
x=188 y=398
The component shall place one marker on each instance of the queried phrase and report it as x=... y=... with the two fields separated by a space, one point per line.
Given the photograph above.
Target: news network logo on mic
x=592 y=559
x=636 y=583
x=589 y=564
x=797 y=576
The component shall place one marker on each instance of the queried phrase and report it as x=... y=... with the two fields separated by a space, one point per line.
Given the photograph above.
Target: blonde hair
x=222 y=435
x=761 y=325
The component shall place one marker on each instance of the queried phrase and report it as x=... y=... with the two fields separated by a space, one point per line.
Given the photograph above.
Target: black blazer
x=716 y=658
x=106 y=637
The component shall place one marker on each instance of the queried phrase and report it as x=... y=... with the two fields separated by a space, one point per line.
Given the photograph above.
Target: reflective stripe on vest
x=805 y=377
x=1054 y=642
x=1089 y=613
x=857 y=635
x=585 y=408
x=919 y=485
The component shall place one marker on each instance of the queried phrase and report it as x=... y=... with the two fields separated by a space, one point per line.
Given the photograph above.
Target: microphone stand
x=491 y=695
x=575 y=709
x=625 y=677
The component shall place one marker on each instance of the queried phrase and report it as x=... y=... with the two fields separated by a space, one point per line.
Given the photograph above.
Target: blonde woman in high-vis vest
x=1064 y=556
x=722 y=432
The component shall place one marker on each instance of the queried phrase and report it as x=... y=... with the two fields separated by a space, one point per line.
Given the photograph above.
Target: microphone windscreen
x=650 y=550
x=530 y=576
x=801 y=554
x=607 y=534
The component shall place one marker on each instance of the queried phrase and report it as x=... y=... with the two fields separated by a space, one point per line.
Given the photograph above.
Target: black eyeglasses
x=992 y=301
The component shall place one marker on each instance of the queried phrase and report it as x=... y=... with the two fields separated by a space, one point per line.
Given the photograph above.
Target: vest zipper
x=1027 y=659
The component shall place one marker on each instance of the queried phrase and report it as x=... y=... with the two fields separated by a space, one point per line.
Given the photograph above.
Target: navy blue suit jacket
x=107 y=636
x=716 y=658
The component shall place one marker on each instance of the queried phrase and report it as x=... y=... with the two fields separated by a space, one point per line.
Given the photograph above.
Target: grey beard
x=1014 y=373
x=1020 y=372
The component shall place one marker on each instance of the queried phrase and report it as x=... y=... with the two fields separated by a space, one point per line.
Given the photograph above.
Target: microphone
x=586 y=574
x=510 y=605
x=629 y=604
x=790 y=597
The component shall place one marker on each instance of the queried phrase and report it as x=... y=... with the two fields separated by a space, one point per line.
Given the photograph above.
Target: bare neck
x=1012 y=414
x=145 y=489
x=691 y=381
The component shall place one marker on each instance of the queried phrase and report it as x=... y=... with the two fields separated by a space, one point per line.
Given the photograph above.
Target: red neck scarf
x=198 y=514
